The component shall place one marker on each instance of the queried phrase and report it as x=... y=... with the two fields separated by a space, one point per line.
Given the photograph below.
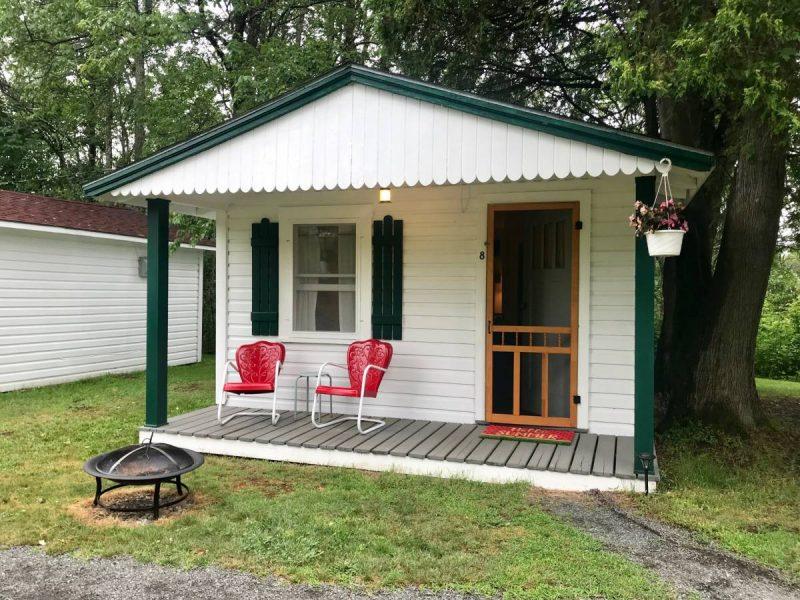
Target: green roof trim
x=596 y=135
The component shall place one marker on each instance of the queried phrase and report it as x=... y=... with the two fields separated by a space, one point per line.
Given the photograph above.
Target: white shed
x=72 y=292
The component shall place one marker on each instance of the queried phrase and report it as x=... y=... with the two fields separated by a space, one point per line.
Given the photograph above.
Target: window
x=325 y=277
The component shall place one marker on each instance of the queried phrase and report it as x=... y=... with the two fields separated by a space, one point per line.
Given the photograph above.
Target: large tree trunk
x=706 y=351
x=687 y=279
x=724 y=386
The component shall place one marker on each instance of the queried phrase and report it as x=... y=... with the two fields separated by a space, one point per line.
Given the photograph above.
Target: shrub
x=778 y=344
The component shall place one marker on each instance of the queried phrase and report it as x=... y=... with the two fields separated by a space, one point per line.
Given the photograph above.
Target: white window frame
x=288 y=217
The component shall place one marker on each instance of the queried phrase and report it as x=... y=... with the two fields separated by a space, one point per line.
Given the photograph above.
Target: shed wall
x=73 y=307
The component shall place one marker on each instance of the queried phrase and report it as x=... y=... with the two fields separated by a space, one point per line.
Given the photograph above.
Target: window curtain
x=307 y=300
x=347 y=265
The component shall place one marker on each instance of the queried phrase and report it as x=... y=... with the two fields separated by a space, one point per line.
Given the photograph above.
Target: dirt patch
x=693 y=567
x=268 y=487
x=86 y=513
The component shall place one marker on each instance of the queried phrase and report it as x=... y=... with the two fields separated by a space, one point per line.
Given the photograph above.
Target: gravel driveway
x=695 y=569
x=26 y=574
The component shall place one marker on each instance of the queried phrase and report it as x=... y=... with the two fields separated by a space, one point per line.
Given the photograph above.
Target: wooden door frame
x=573 y=328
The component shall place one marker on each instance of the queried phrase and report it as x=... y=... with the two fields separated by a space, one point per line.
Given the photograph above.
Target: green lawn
x=744 y=494
x=303 y=523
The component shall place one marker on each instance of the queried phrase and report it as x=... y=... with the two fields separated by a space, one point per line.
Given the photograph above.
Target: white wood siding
x=437 y=370
x=363 y=137
x=73 y=306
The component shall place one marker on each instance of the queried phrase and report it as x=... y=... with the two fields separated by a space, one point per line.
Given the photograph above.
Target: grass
x=742 y=493
x=303 y=523
x=772 y=388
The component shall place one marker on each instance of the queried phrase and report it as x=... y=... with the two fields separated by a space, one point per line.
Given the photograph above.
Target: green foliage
x=303 y=523
x=778 y=345
x=732 y=54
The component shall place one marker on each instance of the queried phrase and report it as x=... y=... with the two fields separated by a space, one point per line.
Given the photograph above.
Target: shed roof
x=34 y=209
x=616 y=143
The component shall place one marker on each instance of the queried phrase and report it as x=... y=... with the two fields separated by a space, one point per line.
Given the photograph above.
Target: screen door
x=532 y=314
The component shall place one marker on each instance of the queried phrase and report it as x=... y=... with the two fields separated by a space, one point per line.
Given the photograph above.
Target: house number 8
x=482 y=255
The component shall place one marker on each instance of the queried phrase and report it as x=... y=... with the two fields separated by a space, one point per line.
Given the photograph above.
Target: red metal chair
x=367 y=361
x=258 y=366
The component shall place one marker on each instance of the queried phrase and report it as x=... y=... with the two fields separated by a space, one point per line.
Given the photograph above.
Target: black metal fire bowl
x=143 y=464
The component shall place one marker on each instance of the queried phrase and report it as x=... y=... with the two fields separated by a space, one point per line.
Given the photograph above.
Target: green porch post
x=157 y=284
x=644 y=361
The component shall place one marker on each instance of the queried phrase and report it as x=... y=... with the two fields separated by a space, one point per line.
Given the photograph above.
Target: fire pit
x=143 y=464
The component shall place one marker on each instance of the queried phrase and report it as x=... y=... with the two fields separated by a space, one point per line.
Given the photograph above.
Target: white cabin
x=515 y=300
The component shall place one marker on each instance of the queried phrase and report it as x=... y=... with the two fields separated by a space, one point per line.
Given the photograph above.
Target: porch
x=411 y=446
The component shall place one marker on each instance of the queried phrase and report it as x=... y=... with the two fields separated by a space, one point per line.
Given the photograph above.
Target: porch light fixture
x=385 y=195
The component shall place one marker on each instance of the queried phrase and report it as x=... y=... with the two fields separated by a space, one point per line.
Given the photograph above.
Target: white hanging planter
x=664 y=242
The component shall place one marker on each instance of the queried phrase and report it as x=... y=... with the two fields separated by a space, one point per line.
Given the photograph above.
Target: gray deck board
x=181 y=426
x=441 y=434
x=454 y=439
x=604 y=456
x=562 y=457
x=260 y=427
x=623 y=465
x=323 y=435
x=500 y=455
x=350 y=444
x=583 y=457
x=398 y=438
x=232 y=425
x=301 y=437
x=308 y=427
x=380 y=436
x=347 y=434
x=467 y=445
x=482 y=451
x=280 y=428
x=600 y=455
x=521 y=455
x=233 y=429
x=541 y=457
x=201 y=423
x=182 y=418
x=415 y=440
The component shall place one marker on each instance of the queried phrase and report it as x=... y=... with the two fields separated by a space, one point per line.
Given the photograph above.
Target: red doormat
x=529 y=434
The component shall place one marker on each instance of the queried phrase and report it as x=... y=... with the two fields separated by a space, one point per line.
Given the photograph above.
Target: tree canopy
x=89 y=86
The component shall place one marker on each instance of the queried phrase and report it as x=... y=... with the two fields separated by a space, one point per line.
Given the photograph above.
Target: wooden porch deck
x=409 y=446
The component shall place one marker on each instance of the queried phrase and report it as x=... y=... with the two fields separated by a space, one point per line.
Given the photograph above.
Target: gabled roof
x=526 y=118
x=33 y=209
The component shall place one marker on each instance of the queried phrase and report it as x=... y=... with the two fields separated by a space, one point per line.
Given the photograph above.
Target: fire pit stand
x=183 y=492
x=140 y=465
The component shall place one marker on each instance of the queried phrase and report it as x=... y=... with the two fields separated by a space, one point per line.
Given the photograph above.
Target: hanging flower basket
x=662 y=224
x=664 y=242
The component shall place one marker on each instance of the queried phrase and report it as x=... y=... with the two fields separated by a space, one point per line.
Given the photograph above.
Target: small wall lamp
x=385 y=195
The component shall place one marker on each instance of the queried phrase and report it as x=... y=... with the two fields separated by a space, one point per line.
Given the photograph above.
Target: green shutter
x=387 y=279
x=264 y=242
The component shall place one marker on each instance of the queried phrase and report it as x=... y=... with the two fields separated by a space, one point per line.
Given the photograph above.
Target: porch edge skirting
x=406 y=465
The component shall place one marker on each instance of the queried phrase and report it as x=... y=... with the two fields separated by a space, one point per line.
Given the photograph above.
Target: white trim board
x=89 y=234
x=406 y=465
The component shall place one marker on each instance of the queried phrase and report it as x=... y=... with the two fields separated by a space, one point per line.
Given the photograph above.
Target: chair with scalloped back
x=367 y=361
x=258 y=366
